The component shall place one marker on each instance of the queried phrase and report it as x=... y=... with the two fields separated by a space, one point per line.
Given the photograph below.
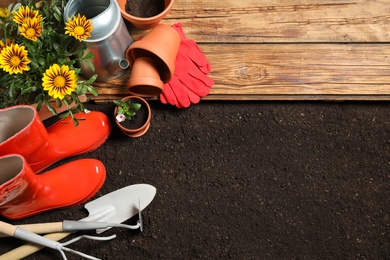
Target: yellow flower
x=59 y=81
x=79 y=27
x=7 y=43
x=13 y=59
x=4 y=13
x=24 y=13
x=31 y=29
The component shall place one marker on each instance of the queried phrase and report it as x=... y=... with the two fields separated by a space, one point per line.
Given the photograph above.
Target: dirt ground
x=248 y=180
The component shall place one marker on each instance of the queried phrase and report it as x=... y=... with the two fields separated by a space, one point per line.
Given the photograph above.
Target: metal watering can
x=109 y=38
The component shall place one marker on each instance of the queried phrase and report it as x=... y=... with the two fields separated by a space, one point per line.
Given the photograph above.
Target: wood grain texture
x=232 y=21
x=291 y=71
x=284 y=50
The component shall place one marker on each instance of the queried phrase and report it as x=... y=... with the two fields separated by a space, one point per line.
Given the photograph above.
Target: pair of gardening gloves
x=190 y=81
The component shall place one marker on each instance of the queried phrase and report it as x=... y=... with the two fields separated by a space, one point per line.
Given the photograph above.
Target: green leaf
x=93 y=91
x=120 y=103
x=42 y=62
x=57 y=16
x=65 y=114
x=77 y=52
x=58 y=103
x=89 y=55
x=38 y=98
x=92 y=79
x=50 y=107
x=57 y=11
x=39 y=105
x=90 y=64
x=120 y=110
x=136 y=106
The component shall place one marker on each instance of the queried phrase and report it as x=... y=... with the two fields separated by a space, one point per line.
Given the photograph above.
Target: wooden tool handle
x=7 y=229
x=40 y=228
x=28 y=249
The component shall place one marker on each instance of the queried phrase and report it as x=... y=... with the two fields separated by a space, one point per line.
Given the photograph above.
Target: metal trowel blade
x=120 y=205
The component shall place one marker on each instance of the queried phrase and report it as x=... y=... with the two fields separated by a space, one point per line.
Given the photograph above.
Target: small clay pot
x=144 y=79
x=161 y=44
x=148 y=22
x=144 y=125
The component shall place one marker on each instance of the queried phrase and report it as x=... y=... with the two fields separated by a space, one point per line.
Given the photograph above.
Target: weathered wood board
x=285 y=50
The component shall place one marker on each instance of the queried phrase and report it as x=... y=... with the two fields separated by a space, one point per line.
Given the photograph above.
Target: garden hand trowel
x=115 y=207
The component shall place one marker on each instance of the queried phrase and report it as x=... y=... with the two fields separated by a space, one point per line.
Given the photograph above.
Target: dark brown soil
x=144 y=8
x=248 y=180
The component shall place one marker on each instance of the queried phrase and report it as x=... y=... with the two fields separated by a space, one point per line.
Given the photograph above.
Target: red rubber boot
x=22 y=132
x=24 y=193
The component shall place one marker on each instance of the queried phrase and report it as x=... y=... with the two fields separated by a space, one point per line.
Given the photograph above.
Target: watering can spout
x=117 y=66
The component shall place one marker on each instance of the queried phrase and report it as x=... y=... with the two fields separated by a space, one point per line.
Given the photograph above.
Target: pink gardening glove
x=189 y=82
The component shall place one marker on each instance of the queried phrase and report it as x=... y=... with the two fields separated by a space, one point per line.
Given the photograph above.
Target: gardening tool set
x=105 y=212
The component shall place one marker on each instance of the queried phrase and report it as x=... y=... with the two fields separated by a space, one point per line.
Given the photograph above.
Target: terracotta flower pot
x=148 y=22
x=144 y=79
x=161 y=44
x=140 y=123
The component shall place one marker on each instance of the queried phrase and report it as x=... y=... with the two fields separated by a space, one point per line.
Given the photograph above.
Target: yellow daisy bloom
x=24 y=13
x=79 y=27
x=31 y=29
x=13 y=59
x=4 y=13
x=7 y=43
x=59 y=81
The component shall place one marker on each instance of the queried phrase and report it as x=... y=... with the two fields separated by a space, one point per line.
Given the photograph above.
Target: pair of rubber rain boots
x=27 y=148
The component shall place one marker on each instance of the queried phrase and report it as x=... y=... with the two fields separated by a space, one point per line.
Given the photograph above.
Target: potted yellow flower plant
x=39 y=54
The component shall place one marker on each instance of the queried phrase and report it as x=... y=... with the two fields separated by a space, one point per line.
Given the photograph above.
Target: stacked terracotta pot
x=152 y=59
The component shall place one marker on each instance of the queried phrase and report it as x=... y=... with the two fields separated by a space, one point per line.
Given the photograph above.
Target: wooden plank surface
x=285 y=21
x=285 y=50
x=301 y=71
